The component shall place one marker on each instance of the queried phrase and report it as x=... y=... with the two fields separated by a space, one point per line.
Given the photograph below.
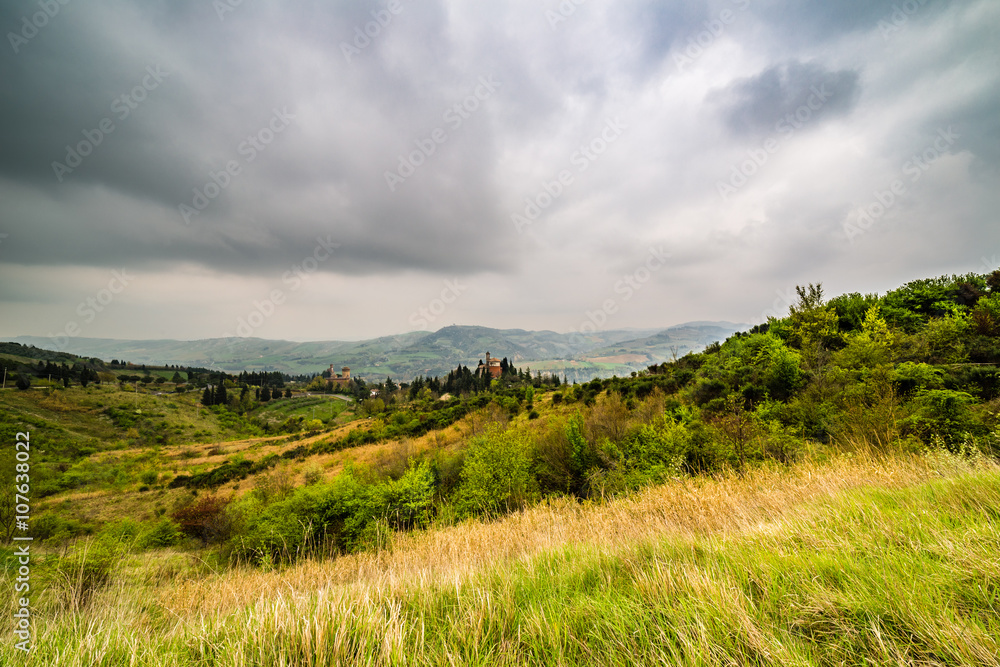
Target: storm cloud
x=214 y=149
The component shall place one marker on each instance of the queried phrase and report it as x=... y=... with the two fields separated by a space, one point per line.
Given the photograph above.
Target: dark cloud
x=757 y=104
x=324 y=175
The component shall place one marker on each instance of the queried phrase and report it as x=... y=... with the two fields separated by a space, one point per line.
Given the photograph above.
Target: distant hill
x=577 y=356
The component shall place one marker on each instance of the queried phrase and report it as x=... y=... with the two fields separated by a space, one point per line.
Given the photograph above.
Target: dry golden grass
x=762 y=568
x=757 y=501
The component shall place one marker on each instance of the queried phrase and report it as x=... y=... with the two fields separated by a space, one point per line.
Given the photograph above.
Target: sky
x=344 y=170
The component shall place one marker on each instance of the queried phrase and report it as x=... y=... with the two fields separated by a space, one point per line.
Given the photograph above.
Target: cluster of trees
x=916 y=365
x=262 y=379
x=66 y=373
x=218 y=394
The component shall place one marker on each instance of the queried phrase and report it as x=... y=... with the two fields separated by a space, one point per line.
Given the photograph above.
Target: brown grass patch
x=757 y=501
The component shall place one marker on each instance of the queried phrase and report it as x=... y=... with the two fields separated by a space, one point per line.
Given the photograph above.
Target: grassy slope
x=855 y=561
x=110 y=476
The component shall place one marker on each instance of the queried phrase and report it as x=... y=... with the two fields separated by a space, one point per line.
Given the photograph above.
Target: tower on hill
x=492 y=366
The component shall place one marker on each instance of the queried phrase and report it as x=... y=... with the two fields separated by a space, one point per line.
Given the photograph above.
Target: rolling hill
x=577 y=356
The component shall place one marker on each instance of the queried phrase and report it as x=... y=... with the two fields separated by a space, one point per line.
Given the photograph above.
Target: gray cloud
x=324 y=175
x=756 y=105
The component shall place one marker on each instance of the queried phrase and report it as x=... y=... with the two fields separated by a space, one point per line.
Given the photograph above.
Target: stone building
x=341 y=378
x=492 y=366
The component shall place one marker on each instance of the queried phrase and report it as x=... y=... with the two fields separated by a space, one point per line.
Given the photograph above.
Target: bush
x=946 y=414
x=55 y=528
x=205 y=518
x=163 y=533
x=496 y=476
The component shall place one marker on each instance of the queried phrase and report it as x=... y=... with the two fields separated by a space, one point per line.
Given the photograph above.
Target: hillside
x=819 y=490
x=418 y=353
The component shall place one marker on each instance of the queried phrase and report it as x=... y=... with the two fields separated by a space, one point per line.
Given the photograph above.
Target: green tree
x=220 y=397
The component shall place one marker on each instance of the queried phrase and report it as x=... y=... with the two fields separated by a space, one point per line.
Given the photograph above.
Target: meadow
x=855 y=560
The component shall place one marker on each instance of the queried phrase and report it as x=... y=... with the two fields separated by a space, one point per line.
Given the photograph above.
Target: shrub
x=944 y=413
x=205 y=518
x=56 y=528
x=407 y=502
x=163 y=533
x=496 y=476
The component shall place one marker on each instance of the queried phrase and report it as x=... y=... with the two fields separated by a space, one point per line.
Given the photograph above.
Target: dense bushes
x=343 y=516
x=236 y=469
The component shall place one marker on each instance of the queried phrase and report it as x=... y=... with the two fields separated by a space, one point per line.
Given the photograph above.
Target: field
x=855 y=560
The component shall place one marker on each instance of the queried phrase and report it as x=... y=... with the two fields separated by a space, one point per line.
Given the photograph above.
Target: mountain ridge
x=404 y=356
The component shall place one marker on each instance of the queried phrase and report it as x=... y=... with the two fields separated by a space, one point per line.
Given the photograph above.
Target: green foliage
x=85 y=570
x=406 y=503
x=345 y=515
x=946 y=414
x=912 y=306
x=911 y=377
x=496 y=476
x=236 y=469
x=56 y=528
x=852 y=308
x=648 y=454
x=162 y=533
x=944 y=339
x=986 y=315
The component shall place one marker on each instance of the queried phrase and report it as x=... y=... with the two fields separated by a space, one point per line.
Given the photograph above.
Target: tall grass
x=863 y=560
